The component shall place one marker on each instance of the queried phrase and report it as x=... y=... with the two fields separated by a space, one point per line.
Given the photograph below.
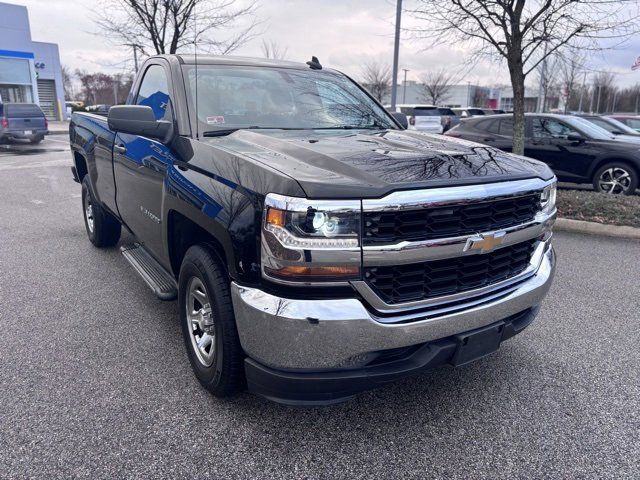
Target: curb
x=593 y=228
x=59 y=132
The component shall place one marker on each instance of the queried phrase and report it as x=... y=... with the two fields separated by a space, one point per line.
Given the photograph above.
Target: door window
x=154 y=92
x=506 y=127
x=550 y=128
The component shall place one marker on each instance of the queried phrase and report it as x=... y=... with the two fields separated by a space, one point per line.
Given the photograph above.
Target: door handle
x=121 y=149
x=488 y=139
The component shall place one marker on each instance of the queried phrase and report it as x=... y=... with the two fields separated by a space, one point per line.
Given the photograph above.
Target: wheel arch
x=80 y=163
x=183 y=233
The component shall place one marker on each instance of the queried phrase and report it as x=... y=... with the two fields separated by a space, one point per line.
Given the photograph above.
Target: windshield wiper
x=227 y=131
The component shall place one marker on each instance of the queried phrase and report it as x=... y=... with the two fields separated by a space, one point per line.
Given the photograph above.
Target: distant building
x=468 y=95
x=30 y=72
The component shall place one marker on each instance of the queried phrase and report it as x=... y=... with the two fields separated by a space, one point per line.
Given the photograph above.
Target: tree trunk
x=517 y=82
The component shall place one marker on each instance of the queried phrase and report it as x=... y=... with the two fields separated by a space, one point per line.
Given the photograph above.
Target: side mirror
x=575 y=137
x=401 y=118
x=138 y=120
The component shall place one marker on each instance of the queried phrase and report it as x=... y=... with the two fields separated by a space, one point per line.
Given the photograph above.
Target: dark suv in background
x=22 y=121
x=575 y=149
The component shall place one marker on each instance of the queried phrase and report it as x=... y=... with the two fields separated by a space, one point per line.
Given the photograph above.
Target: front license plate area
x=477 y=344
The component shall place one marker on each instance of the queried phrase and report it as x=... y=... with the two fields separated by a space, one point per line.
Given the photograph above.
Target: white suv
x=425 y=118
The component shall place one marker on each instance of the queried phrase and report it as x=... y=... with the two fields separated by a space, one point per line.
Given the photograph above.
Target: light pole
x=396 y=51
x=404 y=86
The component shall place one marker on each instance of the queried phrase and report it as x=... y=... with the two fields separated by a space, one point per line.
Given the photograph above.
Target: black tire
x=105 y=230
x=36 y=140
x=628 y=175
x=224 y=376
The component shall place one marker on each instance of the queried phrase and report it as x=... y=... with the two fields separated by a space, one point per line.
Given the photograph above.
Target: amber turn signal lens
x=275 y=217
x=333 y=271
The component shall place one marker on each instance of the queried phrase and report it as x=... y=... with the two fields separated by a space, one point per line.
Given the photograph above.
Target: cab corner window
x=154 y=92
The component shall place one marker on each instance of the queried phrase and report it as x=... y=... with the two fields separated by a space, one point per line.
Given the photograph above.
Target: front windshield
x=619 y=126
x=234 y=97
x=589 y=129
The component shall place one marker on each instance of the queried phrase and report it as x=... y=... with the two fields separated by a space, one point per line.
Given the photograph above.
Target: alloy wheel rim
x=614 y=180
x=88 y=213
x=200 y=322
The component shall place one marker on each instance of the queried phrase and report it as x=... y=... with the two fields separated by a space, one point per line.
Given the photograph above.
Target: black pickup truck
x=316 y=247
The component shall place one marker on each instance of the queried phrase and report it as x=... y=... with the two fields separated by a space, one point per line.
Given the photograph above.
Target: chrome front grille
x=426 y=280
x=443 y=246
x=449 y=220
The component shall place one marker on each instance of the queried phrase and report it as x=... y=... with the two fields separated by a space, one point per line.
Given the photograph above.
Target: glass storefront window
x=15 y=94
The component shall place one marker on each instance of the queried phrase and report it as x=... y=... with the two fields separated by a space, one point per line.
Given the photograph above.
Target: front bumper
x=314 y=335
x=313 y=352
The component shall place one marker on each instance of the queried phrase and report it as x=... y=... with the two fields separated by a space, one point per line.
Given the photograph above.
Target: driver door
x=141 y=163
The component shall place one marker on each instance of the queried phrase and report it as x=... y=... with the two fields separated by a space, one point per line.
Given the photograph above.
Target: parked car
x=575 y=149
x=449 y=118
x=631 y=121
x=22 y=121
x=469 y=112
x=316 y=248
x=424 y=118
x=100 y=109
x=613 y=126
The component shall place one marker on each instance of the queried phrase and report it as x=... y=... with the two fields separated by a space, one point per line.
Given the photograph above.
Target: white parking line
x=66 y=142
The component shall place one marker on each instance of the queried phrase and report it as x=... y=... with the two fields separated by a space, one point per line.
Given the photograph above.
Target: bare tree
x=67 y=83
x=436 y=85
x=603 y=91
x=547 y=77
x=272 y=50
x=169 y=26
x=376 y=77
x=524 y=33
x=571 y=66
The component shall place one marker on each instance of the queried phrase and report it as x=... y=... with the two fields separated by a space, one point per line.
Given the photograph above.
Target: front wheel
x=615 y=178
x=208 y=324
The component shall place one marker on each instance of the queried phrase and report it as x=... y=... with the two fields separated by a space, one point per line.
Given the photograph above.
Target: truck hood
x=372 y=163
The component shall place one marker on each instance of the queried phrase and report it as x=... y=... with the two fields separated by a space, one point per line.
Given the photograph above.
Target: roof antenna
x=314 y=64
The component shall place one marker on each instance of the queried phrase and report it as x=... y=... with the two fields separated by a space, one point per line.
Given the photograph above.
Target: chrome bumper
x=324 y=334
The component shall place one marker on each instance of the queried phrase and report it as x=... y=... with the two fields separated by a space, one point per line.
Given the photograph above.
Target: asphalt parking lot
x=94 y=379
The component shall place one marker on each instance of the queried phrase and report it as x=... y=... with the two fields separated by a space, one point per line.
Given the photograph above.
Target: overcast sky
x=341 y=33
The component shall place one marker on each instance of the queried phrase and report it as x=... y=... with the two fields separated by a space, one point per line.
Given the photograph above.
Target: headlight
x=308 y=240
x=548 y=198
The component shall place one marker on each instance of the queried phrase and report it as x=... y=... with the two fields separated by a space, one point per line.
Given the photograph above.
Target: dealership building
x=30 y=72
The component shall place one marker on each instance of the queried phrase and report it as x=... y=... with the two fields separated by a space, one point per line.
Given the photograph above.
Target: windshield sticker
x=215 y=120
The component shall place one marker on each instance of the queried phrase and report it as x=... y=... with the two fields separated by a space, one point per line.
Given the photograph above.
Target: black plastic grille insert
x=418 y=281
x=448 y=221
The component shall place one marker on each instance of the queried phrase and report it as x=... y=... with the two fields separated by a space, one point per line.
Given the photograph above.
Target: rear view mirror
x=137 y=120
x=401 y=118
x=575 y=137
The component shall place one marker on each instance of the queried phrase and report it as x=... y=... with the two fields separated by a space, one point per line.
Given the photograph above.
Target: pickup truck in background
x=316 y=248
x=22 y=121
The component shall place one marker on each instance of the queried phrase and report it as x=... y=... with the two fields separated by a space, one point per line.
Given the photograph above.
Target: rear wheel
x=103 y=229
x=208 y=324
x=615 y=178
x=36 y=140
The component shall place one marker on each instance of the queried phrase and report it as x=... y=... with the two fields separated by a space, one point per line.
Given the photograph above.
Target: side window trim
x=167 y=76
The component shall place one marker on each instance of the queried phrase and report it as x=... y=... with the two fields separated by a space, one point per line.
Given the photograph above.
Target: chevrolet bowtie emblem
x=485 y=242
